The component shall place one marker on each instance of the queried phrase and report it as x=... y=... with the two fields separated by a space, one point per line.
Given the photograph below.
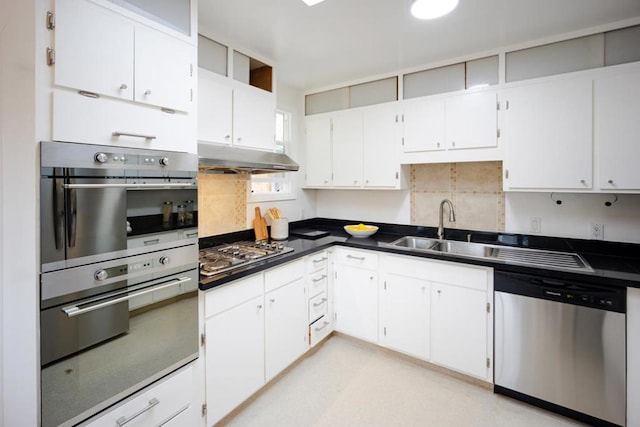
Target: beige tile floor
x=350 y=383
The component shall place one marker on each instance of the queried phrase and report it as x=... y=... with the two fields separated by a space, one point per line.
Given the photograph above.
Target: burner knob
x=100 y=157
x=164 y=260
x=164 y=161
x=100 y=275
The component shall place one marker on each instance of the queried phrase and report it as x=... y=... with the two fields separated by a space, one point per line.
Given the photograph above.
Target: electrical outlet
x=535 y=224
x=597 y=231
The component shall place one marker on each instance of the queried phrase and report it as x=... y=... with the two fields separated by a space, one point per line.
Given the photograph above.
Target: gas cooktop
x=230 y=256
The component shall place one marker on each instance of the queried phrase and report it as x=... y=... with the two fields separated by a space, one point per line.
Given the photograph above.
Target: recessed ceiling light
x=429 y=9
x=312 y=2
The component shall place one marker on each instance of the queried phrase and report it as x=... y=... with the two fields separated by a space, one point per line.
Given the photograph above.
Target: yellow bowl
x=360 y=230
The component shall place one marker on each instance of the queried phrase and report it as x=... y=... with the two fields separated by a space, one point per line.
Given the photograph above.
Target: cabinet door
x=234 y=357
x=423 y=125
x=404 y=315
x=617 y=109
x=254 y=118
x=472 y=121
x=549 y=136
x=318 y=140
x=382 y=142
x=459 y=329
x=346 y=141
x=286 y=326
x=356 y=302
x=94 y=49
x=215 y=100
x=163 y=70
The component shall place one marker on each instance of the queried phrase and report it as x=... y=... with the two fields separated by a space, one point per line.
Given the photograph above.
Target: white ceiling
x=340 y=41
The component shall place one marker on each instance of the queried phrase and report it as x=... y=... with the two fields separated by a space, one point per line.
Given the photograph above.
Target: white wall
x=575 y=215
x=304 y=204
x=18 y=216
x=390 y=206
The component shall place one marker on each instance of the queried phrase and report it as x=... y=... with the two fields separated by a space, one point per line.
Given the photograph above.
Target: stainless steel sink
x=509 y=255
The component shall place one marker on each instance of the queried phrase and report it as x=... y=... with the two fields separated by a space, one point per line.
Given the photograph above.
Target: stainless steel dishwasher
x=560 y=345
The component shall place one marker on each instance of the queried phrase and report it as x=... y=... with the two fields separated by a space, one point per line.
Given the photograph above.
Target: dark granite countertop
x=613 y=264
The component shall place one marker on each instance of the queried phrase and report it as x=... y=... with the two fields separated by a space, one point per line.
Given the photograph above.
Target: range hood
x=226 y=159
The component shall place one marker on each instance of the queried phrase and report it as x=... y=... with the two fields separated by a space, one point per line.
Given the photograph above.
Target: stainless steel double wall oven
x=118 y=284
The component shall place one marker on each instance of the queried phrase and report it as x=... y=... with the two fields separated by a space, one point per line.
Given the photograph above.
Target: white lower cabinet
x=255 y=327
x=234 y=350
x=356 y=293
x=286 y=323
x=459 y=329
x=438 y=311
x=162 y=404
x=633 y=355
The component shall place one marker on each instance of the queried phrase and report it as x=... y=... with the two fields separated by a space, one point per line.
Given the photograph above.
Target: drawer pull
x=181 y=410
x=135 y=135
x=318 y=304
x=319 y=260
x=324 y=325
x=152 y=242
x=124 y=420
x=319 y=279
x=359 y=258
x=192 y=234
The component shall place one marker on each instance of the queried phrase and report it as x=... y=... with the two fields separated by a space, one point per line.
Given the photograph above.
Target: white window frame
x=283 y=140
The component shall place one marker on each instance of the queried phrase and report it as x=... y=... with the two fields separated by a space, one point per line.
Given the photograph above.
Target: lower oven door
x=127 y=339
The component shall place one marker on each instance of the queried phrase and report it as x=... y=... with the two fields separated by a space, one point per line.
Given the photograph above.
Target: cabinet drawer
x=318 y=307
x=317 y=261
x=317 y=282
x=356 y=258
x=232 y=294
x=462 y=275
x=153 y=239
x=164 y=401
x=319 y=329
x=279 y=276
x=78 y=118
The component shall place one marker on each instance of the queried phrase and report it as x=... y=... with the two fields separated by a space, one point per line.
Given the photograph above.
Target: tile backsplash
x=222 y=203
x=474 y=188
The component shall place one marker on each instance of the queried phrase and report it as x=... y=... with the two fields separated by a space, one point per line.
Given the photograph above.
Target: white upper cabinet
x=318 y=141
x=164 y=68
x=381 y=138
x=235 y=114
x=214 y=108
x=355 y=148
x=448 y=128
x=94 y=49
x=472 y=121
x=254 y=118
x=424 y=124
x=617 y=131
x=347 y=148
x=549 y=136
x=99 y=51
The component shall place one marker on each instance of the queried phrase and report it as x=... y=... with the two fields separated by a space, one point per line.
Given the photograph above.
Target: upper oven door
x=81 y=217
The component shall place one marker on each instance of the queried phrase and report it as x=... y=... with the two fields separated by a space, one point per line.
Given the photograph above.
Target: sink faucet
x=452 y=217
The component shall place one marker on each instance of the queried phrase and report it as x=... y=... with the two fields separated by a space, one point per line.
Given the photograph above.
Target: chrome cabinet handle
x=124 y=420
x=133 y=134
x=192 y=234
x=324 y=325
x=123 y=86
x=175 y=414
x=324 y=276
x=359 y=258
x=74 y=310
x=58 y=213
x=152 y=242
x=72 y=215
x=272 y=300
x=147 y=92
x=318 y=304
x=149 y=186
x=319 y=260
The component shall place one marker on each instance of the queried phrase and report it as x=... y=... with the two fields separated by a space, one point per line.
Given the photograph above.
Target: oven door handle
x=143 y=186
x=74 y=310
